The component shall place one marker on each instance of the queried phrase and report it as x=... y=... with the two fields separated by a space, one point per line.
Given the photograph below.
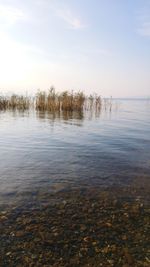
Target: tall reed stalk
x=15 y=102
x=65 y=101
x=54 y=101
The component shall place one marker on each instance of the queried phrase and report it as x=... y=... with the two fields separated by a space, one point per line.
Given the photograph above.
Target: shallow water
x=49 y=152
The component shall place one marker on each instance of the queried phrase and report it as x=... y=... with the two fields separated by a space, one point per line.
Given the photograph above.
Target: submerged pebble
x=97 y=228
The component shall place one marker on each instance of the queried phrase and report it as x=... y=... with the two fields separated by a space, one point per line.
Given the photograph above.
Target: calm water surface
x=43 y=151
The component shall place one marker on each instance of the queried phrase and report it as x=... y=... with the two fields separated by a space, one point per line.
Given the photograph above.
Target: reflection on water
x=60 y=115
x=51 y=151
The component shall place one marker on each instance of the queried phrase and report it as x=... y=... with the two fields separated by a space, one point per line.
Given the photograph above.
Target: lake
x=47 y=152
x=74 y=187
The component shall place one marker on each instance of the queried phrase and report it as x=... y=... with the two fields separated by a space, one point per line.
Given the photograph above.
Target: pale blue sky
x=93 y=45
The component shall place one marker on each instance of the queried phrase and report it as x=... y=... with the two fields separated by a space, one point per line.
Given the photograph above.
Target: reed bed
x=64 y=101
x=53 y=101
x=15 y=102
x=67 y=101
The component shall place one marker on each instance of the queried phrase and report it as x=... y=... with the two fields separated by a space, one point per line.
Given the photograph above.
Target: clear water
x=44 y=151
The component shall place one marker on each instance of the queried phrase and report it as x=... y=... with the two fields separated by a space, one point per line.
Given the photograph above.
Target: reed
x=3 y=103
x=64 y=101
x=53 y=101
x=15 y=102
x=93 y=102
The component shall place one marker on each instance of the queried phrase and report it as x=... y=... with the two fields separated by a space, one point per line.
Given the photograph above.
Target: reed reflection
x=77 y=117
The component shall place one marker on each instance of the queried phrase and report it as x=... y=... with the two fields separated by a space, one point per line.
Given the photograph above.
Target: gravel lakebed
x=81 y=227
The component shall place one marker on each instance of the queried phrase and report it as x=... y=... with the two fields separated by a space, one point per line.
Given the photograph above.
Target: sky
x=100 y=46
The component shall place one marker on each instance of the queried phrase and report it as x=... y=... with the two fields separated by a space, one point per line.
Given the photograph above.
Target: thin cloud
x=92 y=50
x=104 y=52
x=64 y=13
x=144 y=30
x=144 y=21
x=10 y=15
x=72 y=21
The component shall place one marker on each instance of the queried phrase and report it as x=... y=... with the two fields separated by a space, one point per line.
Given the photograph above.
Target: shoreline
x=82 y=227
